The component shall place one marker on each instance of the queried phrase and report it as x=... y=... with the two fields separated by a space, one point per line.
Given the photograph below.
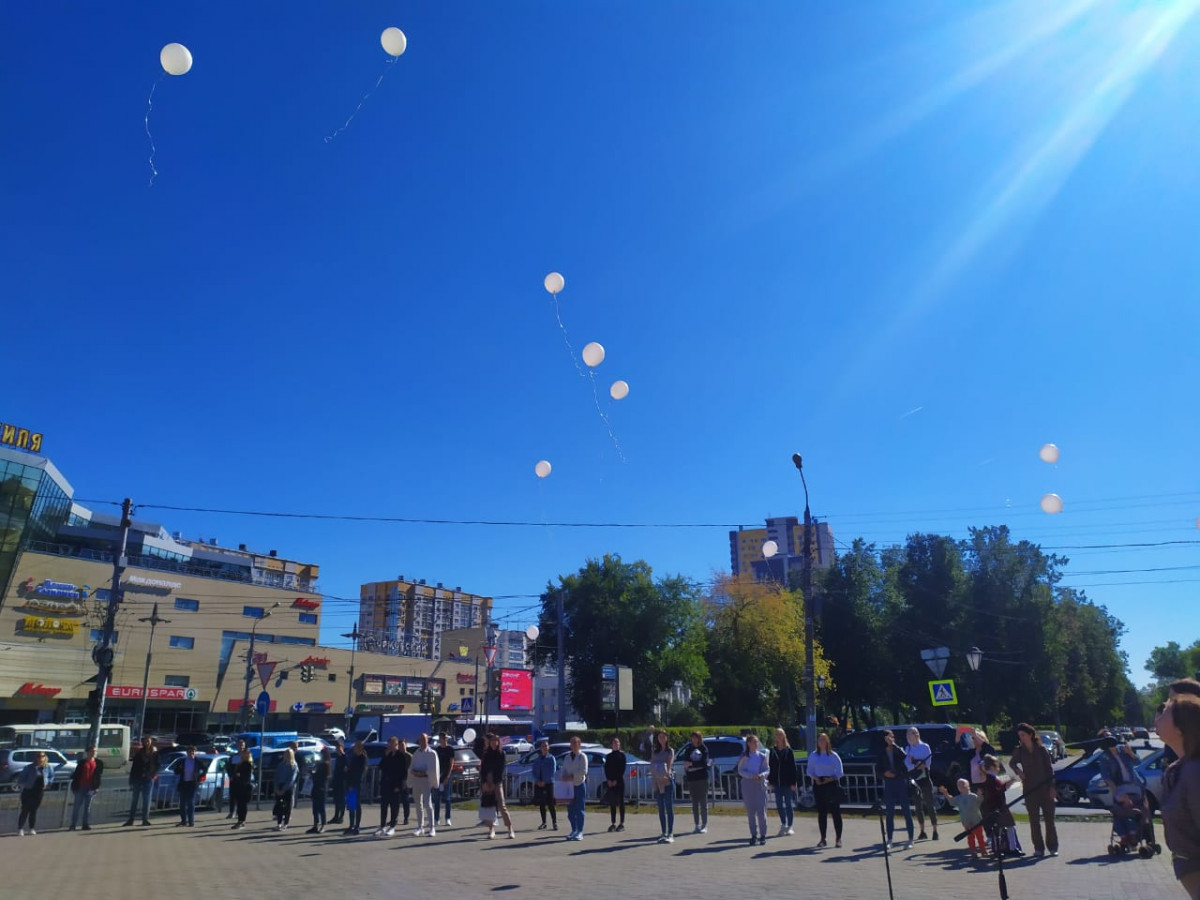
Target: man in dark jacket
x=143 y=769
x=393 y=786
x=85 y=781
x=614 y=779
x=355 y=770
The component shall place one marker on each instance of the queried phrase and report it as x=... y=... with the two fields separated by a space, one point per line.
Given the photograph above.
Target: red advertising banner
x=236 y=705
x=516 y=689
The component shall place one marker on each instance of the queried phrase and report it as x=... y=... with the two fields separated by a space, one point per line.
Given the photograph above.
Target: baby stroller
x=1132 y=823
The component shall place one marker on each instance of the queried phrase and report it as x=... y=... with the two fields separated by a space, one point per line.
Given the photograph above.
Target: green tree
x=1169 y=663
x=616 y=613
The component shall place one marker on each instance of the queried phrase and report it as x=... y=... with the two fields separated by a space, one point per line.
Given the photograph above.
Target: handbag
x=564 y=789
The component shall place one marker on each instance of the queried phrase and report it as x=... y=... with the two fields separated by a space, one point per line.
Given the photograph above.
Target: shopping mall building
x=56 y=570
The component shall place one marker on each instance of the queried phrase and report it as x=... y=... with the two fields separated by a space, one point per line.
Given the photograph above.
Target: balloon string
x=366 y=96
x=604 y=417
x=153 y=149
x=567 y=340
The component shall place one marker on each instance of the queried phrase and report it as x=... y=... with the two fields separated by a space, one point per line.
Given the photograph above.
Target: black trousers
x=240 y=797
x=616 y=798
x=339 y=802
x=390 y=800
x=284 y=804
x=829 y=803
x=318 y=807
x=30 y=801
x=544 y=796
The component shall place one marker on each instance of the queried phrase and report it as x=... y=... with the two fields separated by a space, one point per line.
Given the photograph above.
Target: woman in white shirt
x=754 y=769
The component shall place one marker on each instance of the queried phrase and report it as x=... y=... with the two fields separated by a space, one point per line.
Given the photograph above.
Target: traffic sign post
x=936 y=659
x=467 y=705
x=942 y=693
x=263 y=705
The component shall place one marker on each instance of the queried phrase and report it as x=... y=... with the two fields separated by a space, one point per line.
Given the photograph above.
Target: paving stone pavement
x=258 y=863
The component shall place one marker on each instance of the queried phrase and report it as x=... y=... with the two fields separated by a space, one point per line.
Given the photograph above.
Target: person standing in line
x=542 y=772
x=574 y=769
x=491 y=769
x=241 y=784
x=286 y=774
x=982 y=749
x=695 y=779
x=917 y=759
x=143 y=769
x=782 y=779
x=754 y=769
x=445 y=787
x=426 y=774
x=32 y=781
x=85 y=782
x=393 y=787
x=233 y=760
x=189 y=782
x=337 y=782
x=322 y=771
x=967 y=804
x=890 y=766
x=1178 y=724
x=614 y=780
x=825 y=770
x=355 y=770
x=662 y=770
x=294 y=746
x=1032 y=762
x=997 y=817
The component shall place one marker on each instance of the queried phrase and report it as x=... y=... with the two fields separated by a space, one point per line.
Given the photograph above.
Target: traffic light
x=494 y=682
x=425 y=702
x=306 y=674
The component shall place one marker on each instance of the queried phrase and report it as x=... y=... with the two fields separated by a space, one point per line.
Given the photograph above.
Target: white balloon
x=769 y=549
x=532 y=632
x=1052 y=504
x=593 y=354
x=176 y=59
x=554 y=282
x=1048 y=453
x=619 y=390
x=394 y=41
x=469 y=735
x=542 y=469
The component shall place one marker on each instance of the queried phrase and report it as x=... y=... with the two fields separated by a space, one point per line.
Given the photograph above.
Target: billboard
x=516 y=689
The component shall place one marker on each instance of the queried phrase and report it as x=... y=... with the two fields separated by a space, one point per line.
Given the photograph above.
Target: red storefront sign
x=236 y=705
x=133 y=692
x=29 y=689
x=301 y=603
x=463 y=678
x=318 y=662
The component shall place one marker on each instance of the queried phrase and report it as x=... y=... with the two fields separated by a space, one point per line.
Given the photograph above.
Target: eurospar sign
x=132 y=692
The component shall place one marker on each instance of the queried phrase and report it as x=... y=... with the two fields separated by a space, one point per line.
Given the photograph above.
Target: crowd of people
x=422 y=778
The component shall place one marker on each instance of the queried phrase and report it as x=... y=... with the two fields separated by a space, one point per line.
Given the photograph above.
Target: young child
x=969 y=813
x=997 y=819
x=487 y=807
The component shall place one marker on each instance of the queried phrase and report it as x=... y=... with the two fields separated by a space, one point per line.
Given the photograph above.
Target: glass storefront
x=35 y=501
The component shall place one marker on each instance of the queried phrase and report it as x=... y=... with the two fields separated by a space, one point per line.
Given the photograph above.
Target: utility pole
x=103 y=655
x=562 y=666
x=250 y=674
x=810 y=681
x=154 y=619
x=354 y=636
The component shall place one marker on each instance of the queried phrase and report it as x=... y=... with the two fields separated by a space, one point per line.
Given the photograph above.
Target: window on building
x=187 y=605
x=290 y=639
x=177 y=680
x=253 y=612
x=308 y=618
x=180 y=642
x=97 y=635
x=333 y=676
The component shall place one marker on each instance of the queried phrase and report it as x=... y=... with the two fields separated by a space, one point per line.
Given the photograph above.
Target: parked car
x=13 y=760
x=519 y=785
x=515 y=748
x=1149 y=772
x=1071 y=782
x=213 y=786
x=1054 y=744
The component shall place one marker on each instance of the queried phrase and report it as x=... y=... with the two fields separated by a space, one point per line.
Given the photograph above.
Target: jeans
x=141 y=788
x=187 y=802
x=318 y=807
x=83 y=801
x=895 y=793
x=666 y=809
x=698 y=792
x=576 y=811
x=783 y=803
x=441 y=797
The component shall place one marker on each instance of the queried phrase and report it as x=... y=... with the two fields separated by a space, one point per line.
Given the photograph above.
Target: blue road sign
x=467 y=705
x=608 y=673
x=297 y=707
x=263 y=703
x=942 y=693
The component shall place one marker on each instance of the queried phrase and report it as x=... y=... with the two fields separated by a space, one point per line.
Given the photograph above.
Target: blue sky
x=790 y=225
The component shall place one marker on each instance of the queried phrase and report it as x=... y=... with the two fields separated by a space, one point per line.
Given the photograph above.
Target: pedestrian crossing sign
x=942 y=693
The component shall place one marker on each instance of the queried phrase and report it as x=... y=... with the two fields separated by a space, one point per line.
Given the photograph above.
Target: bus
x=69 y=740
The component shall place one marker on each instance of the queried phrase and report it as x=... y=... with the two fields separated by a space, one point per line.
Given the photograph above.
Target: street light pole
x=562 y=665
x=104 y=655
x=810 y=686
x=250 y=670
x=154 y=619
x=354 y=636
x=974 y=659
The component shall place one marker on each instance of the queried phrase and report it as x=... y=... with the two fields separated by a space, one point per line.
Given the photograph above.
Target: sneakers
x=670 y=839
x=697 y=830
x=935 y=834
x=312 y=830
x=704 y=829
x=87 y=827
x=921 y=836
x=420 y=832
x=512 y=835
x=31 y=831
x=792 y=830
x=908 y=846
x=554 y=827
x=145 y=821
x=612 y=827
x=762 y=841
x=662 y=838
x=491 y=833
x=753 y=839
x=838 y=843
x=1052 y=852
x=782 y=831
x=432 y=832
x=20 y=832
x=621 y=827
x=449 y=824
x=389 y=831
x=379 y=831
x=821 y=843
x=542 y=827
x=320 y=829
x=127 y=823
x=578 y=836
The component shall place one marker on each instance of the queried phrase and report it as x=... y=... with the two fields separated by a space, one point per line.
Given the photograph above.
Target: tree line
x=1049 y=654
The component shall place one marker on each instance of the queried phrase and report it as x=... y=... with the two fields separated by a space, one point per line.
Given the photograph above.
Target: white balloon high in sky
x=593 y=354
x=1049 y=453
x=542 y=469
x=393 y=41
x=619 y=390
x=1052 y=504
x=176 y=59
x=554 y=282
